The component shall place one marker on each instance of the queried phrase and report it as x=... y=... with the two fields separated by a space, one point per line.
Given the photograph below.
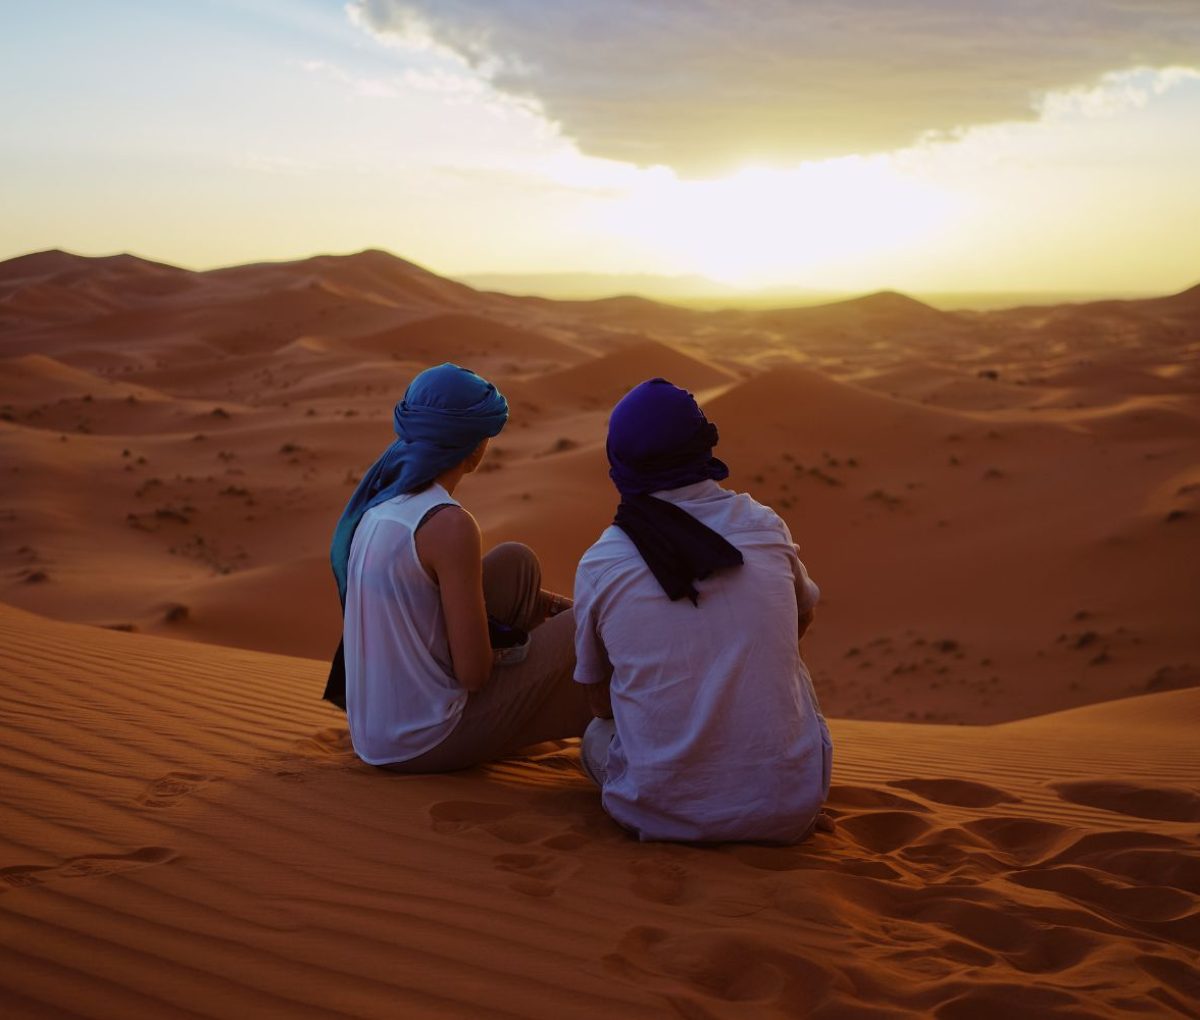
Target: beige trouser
x=534 y=700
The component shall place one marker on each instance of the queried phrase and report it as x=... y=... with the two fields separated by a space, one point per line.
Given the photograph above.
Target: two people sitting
x=678 y=662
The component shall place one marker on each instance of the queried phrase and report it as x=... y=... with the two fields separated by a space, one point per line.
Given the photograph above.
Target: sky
x=920 y=145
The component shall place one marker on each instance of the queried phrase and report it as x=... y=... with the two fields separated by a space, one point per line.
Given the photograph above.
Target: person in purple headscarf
x=689 y=611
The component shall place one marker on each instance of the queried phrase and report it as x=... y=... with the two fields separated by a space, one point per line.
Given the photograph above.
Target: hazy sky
x=858 y=144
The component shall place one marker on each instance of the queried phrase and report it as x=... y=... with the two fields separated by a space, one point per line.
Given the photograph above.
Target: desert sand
x=1001 y=507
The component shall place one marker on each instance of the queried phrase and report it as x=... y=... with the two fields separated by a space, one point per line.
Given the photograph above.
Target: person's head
x=658 y=438
x=451 y=413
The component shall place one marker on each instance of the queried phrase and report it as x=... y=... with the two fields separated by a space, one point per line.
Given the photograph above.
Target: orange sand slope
x=1002 y=508
x=185 y=832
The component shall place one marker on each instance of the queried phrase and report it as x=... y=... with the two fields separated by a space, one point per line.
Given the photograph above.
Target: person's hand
x=805 y=622
x=552 y=603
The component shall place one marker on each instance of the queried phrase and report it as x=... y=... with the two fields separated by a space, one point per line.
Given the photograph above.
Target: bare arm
x=451 y=550
x=807 y=616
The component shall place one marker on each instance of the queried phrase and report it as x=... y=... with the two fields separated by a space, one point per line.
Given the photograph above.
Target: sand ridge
x=186 y=832
x=1001 y=507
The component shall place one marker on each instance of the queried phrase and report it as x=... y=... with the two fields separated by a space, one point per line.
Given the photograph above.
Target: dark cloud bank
x=704 y=85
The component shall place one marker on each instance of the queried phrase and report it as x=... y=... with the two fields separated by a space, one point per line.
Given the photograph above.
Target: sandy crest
x=1002 y=508
x=187 y=833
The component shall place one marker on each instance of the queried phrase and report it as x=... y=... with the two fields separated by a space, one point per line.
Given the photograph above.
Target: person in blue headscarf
x=448 y=657
x=689 y=610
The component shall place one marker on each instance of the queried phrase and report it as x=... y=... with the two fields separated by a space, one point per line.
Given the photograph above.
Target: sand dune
x=466 y=339
x=294 y=609
x=373 y=275
x=971 y=481
x=884 y=310
x=34 y=377
x=187 y=833
x=603 y=380
x=1002 y=509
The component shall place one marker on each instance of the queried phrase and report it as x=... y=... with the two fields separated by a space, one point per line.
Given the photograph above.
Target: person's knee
x=512 y=578
x=597 y=736
x=513 y=563
x=514 y=555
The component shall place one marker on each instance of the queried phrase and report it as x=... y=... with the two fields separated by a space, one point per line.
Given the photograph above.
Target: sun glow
x=332 y=133
x=764 y=225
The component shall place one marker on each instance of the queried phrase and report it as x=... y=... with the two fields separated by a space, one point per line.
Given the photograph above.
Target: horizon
x=890 y=309
x=480 y=139
x=553 y=286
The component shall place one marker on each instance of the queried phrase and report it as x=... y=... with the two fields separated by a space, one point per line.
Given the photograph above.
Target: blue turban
x=658 y=439
x=445 y=413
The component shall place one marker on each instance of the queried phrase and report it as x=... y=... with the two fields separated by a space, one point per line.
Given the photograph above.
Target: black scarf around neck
x=677 y=548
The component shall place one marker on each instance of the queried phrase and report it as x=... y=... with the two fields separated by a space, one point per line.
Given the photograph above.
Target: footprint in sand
x=332 y=742
x=1178 y=975
x=85 y=866
x=291 y=768
x=1162 y=803
x=771 y=858
x=659 y=880
x=1147 y=858
x=536 y=875
x=1025 y=840
x=460 y=815
x=1028 y=940
x=1102 y=893
x=173 y=787
x=883 y=832
x=689 y=968
x=844 y=796
x=556 y=823
x=504 y=821
x=566 y=841
x=956 y=792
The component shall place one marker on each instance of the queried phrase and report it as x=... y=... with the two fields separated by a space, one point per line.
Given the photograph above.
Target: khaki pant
x=536 y=699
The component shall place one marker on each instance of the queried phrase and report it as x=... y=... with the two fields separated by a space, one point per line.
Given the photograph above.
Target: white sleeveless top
x=402 y=698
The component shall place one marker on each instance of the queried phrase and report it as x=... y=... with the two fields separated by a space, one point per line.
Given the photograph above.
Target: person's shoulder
x=451 y=517
x=611 y=544
x=449 y=526
x=612 y=548
x=742 y=512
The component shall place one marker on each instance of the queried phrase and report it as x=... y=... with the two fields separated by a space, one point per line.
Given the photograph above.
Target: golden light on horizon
x=464 y=139
x=764 y=225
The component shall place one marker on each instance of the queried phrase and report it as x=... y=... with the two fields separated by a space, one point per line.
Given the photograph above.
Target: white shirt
x=719 y=735
x=402 y=697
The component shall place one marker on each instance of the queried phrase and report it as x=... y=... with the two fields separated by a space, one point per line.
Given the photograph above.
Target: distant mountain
x=884 y=310
x=62 y=286
x=1186 y=302
x=373 y=290
x=590 y=286
x=57 y=266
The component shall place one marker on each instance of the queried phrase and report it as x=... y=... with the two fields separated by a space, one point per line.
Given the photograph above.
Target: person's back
x=689 y=611
x=395 y=627
x=718 y=733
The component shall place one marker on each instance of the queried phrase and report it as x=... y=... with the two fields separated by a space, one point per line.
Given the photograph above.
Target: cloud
x=706 y=85
x=1116 y=92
